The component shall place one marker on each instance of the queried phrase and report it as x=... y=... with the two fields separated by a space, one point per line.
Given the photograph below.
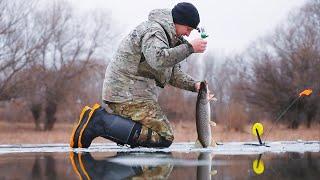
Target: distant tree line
x=47 y=57
x=286 y=63
x=260 y=83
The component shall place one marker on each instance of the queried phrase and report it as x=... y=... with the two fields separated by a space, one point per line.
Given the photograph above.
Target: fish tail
x=198 y=144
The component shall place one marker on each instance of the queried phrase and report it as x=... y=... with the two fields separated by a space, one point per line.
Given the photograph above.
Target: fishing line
x=306 y=92
x=280 y=116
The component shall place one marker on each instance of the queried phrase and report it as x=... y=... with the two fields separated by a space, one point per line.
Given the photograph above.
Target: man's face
x=183 y=30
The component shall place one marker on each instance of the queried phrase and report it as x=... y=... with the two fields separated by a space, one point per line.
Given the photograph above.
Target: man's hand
x=211 y=97
x=197 y=86
x=199 y=45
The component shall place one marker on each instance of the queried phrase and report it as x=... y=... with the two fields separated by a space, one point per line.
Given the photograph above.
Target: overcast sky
x=231 y=24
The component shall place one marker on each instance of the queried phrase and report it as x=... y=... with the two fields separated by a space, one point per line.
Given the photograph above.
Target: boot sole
x=76 y=129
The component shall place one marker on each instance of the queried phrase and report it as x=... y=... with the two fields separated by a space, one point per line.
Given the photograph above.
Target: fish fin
x=213 y=172
x=198 y=144
x=214 y=99
x=213 y=143
x=212 y=123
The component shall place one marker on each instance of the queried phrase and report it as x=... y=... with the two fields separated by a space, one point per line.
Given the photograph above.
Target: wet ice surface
x=187 y=147
x=233 y=160
x=159 y=165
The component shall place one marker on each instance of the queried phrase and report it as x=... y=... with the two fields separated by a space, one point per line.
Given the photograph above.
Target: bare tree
x=47 y=56
x=66 y=57
x=17 y=44
x=288 y=64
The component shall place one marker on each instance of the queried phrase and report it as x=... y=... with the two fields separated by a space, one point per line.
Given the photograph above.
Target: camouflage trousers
x=149 y=114
x=154 y=172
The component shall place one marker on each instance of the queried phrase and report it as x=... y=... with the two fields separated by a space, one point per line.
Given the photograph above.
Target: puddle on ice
x=283 y=160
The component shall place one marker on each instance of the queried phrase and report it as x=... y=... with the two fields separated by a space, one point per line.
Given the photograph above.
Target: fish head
x=203 y=91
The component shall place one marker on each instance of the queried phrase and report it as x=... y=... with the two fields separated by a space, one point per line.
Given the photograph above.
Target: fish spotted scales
x=203 y=117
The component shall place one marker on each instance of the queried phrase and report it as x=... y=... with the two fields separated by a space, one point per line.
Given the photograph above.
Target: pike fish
x=203 y=121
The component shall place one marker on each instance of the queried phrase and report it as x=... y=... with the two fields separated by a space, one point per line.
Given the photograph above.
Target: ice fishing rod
x=306 y=92
x=257 y=128
x=203 y=33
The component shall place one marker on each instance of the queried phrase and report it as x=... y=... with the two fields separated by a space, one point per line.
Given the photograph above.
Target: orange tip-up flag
x=306 y=92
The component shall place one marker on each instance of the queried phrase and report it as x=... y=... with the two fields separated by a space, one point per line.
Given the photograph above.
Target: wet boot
x=80 y=125
x=96 y=121
x=89 y=168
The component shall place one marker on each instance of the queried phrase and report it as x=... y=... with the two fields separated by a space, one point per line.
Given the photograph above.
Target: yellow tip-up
x=259 y=127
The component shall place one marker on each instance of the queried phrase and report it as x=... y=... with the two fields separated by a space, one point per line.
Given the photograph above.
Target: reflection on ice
x=205 y=172
x=88 y=167
x=157 y=158
x=137 y=165
x=159 y=165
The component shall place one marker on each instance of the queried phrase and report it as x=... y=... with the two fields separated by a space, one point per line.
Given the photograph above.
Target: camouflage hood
x=164 y=18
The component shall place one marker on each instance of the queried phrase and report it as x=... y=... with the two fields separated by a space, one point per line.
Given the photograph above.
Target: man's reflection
x=89 y=168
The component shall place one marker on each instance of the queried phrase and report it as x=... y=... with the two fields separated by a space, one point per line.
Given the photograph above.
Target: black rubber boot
x=97 y=121
x=80 y=125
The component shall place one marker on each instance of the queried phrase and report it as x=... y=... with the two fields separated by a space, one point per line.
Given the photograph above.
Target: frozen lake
x=235 y=148
x=234 y=160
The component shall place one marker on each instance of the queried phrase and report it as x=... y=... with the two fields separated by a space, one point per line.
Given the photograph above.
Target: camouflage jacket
x=146 y=60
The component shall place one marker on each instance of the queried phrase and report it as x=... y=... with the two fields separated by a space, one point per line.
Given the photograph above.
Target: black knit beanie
x=186 y=14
